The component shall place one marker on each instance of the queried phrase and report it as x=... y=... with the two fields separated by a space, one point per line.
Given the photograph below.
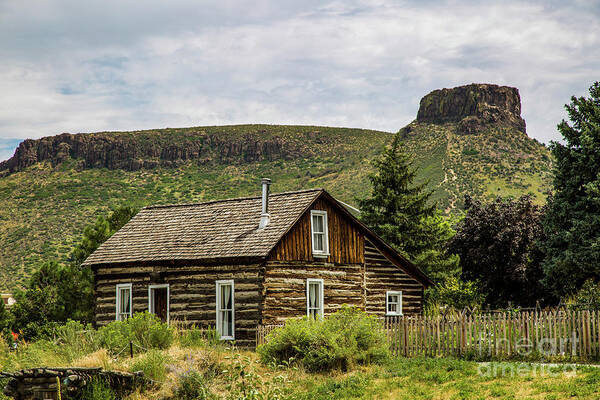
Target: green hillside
x=498 y=162
x=45 y=206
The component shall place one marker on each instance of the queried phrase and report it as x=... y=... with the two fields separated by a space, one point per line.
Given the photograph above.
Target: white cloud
x=113 y=65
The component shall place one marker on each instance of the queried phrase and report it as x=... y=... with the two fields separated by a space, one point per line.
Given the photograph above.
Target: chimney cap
x=266 y=180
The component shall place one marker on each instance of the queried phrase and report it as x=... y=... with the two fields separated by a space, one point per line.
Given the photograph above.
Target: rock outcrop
x=151 y=149
x=475 y=108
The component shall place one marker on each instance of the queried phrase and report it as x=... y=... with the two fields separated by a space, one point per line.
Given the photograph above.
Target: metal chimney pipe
x=264 y=216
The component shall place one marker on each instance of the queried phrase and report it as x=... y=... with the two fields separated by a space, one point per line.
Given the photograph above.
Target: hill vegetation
x=53 y=187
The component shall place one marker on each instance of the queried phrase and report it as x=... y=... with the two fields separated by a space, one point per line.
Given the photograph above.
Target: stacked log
x=44 y=383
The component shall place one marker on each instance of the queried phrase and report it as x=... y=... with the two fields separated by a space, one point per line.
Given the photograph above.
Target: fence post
x=405 y=337
x=438 y=348
x=462 y=334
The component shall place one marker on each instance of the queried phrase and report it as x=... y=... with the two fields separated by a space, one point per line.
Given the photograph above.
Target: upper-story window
x=320 y=238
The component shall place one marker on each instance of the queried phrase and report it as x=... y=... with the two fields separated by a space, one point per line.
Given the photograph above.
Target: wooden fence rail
x=553 y=333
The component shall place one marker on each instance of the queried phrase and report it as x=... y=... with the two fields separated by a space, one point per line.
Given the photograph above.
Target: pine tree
x=95 y=235
x=572 y=223
x=402 y=213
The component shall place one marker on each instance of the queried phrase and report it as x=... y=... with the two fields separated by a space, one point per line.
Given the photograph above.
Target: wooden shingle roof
x=205 y=231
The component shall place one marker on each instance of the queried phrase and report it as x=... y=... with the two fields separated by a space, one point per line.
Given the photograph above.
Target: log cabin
x=238 y=263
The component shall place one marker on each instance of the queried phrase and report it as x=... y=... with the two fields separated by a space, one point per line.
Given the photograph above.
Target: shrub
x=587 y=298
x=77 y=339
x=470 y=152
x=454 y=293
x=198 y=337
x=115 y=336
x=243 y=382
x=145 y=330
x=340 y=341
x=191 y=386
x=5 y=319
x=149 y=332
x=153 y=365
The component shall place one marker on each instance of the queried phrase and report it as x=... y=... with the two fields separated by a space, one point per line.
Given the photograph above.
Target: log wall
x=284 y=290
x=363 y=285
x=346 y=242
x=192 y=293
x=382 y=275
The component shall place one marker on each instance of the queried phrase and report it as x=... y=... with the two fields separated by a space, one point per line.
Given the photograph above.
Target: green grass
x=453 y=379
x=44 y=208
x=219 y=372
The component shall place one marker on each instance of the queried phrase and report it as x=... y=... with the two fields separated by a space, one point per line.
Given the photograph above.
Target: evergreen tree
x=95 y=235
x=402 y=213
x=572 y=223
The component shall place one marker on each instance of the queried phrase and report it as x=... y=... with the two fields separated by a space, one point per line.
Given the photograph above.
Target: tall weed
x=97 y=390
x=191 y=386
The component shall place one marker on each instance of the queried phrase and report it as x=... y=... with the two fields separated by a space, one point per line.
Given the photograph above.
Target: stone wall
x=44 y=383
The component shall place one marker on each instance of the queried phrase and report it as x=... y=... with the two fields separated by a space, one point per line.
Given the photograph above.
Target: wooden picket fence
x=262 y=331
x=551 y=333
x=557 y=332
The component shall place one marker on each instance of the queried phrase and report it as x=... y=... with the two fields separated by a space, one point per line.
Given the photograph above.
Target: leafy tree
x=496 y=243
x=42 y=301
x=59 y=292
x=572 y=223
x=455 y=293
x=402 y=213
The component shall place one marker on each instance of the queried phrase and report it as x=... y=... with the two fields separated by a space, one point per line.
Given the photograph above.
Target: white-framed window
x=124 y=301
x=393 y=302
x=318 y=230
x=314 y=298
x=226 y=309
x=159 y=301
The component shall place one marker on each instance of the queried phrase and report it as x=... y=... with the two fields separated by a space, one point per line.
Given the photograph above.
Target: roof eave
x=416 y=271
x=167 y=262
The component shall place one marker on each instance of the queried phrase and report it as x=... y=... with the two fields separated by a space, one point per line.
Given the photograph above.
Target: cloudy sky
x=84 y=66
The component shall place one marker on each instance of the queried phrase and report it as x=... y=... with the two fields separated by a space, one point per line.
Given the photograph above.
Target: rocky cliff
x=474 y=107
x=149 y=149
